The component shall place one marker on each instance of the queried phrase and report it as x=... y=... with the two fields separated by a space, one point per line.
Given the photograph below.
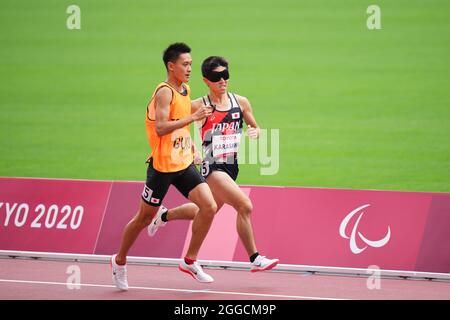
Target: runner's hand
x=197 y=158
x=201 y=113
x=253 y=133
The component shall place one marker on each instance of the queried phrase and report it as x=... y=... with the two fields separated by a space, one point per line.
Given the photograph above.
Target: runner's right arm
x=163 y=124
x=196 y=105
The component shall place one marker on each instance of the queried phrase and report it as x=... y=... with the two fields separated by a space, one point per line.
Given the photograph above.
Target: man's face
x=182 y=67
x=219 y=87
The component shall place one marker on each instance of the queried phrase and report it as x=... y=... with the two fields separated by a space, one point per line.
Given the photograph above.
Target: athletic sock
x=254 y=256
x=189 y=261
x=164 y=216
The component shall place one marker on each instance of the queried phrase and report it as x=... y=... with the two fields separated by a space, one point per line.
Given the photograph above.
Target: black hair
x=210 y=63
x=173 y=51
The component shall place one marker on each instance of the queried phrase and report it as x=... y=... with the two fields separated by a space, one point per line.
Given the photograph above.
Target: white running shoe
x=157 y=222
x=119 y=274
x=261 y=263
x=196 y=271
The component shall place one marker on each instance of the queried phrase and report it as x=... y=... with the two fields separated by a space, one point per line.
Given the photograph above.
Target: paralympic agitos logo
x=353 y=246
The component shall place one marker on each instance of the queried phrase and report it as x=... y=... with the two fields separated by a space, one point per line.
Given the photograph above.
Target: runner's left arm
x=253 y=128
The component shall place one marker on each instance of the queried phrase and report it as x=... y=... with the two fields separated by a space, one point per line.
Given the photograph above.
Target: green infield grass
x=355 y=108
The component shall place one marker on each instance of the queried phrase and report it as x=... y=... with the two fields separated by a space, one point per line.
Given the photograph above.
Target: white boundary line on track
x=228 y=264
x=175 y=290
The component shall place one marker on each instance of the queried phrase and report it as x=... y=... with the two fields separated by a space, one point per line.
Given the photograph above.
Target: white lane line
x=173 y=290
x=103 y=218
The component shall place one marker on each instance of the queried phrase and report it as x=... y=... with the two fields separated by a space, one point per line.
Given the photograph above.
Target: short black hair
x=210 y=63
x=173 y=51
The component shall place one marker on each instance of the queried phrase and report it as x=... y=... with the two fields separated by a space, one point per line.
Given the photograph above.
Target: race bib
x=225 y=144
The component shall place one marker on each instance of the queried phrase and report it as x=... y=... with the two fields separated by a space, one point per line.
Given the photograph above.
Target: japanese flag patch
x=154 y=200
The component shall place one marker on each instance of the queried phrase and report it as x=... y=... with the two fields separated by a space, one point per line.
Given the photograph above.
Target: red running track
x=39 y=279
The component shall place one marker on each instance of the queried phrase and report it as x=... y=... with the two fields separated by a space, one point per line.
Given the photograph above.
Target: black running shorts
x=158 y=183
x=232 y=169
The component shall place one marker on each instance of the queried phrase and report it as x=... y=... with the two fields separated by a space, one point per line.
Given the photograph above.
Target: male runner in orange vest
x=167 y=122
x=221 y=134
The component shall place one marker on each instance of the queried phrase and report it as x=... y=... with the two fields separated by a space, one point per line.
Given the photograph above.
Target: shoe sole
x=270 y=266
x=148 y=229
x=192 y=275
x=150 y=233
x=151 y=224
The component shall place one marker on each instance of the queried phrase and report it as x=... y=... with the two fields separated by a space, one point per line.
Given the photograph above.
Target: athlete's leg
x=201 y=195
x=225 y=190
x=141 y=220
x=186 y=211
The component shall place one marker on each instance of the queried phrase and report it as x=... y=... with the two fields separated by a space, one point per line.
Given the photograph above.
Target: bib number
x=205 y=168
